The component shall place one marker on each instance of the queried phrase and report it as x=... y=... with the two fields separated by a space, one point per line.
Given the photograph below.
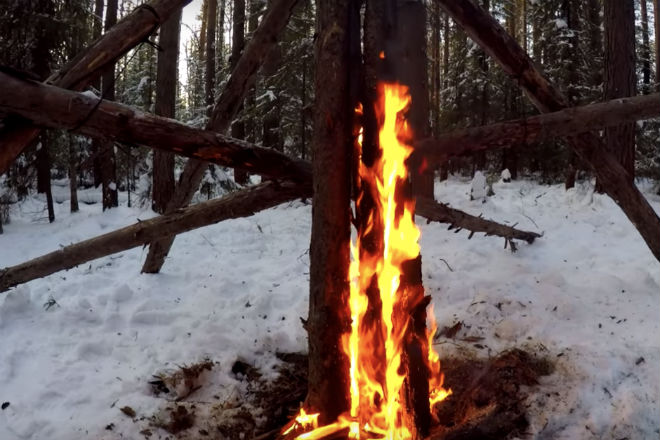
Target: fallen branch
x=90 y=64
x=242 y=203
x=440 y=212
x=570 y=121
x=486 y=31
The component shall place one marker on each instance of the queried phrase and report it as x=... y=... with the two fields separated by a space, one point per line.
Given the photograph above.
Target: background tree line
x=568 y=38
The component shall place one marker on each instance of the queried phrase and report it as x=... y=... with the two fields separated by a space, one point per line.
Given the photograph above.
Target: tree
x=166 y=88
x=620 y=76
x=237 y=45
x=645 y=50
x=107 y=160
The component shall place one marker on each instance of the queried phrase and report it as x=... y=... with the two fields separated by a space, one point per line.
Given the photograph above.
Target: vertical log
x=329 y=316
x=237 y=45
x=108 y=166
x=620 y=76
x=166 y=82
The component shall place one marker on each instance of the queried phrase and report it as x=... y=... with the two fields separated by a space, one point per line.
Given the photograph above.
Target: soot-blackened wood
x=329 y=316
x=226 y=108
x=568 y=122
x=53 y=107
x=90 y=64
x=242 y=203
x=439 y=212
x=490 y=35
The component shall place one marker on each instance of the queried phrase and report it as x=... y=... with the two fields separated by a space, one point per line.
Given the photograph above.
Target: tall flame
x=380 y=321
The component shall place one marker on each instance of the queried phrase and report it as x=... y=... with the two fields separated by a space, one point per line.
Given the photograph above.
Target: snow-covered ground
x=586 y=294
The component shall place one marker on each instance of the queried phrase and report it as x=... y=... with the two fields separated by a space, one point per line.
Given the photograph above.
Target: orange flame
x=380 y=325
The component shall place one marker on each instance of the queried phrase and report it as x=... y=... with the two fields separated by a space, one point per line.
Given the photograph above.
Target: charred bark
x=242 y=203
x=90 y=64
x=616 y=181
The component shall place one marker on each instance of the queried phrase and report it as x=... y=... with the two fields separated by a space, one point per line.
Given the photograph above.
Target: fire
x=381 y=306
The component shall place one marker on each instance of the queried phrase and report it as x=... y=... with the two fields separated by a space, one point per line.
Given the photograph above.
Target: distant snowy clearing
x=79 y=345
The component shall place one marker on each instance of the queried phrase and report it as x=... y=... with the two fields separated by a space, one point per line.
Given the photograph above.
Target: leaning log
x=227 y=107
x=90 y=64
x=53 y=107
x=439 y=212
x=489 y=34
x=527 y=131
x=242 y=203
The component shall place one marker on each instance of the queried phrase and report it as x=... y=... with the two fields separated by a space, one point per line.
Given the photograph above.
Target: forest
x=340 y=219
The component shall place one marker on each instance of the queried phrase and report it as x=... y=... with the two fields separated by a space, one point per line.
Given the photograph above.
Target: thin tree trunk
x=238 y=204
x=226 y=108
x=329 y=248
x=90 y=64
x=209 y=79
x=166 y=85
x=43 y=175
x=106 y=156
x=73 y=173
x=237 y=45
x=645 y=49
x=656 y=21
x=487 y=32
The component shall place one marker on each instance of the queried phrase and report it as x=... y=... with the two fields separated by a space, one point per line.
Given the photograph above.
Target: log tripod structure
x=52 y=106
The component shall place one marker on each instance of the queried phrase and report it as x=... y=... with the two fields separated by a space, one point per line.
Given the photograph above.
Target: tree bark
x=209 y=77
x=329 y=317
x=166 y=84
x=487 y=32
x=237 y=45
x=106 y=157
x=620 y=78
x=656 y=21
x=645 y=51
x=43 y=175
x=90 y=64
x=226 y=108
x=242 y=203
x=509 y=134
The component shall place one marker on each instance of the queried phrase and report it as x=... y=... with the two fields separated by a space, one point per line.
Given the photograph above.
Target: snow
x=585 y=295
x=478 y=187
x=506 y=175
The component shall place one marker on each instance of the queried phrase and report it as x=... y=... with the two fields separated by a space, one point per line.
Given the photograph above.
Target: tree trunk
x=43 y=175
x=238 y=204
x=237 y=45
x=166 y=85
x=656 y=21
x=571 y=56
x=329 y=317
x=487 y=32
x=106 y=156
x=226 y=108
x=209 y=77
x=645 y=51
x=620 y=77
x=73 y=173
x=90 y=64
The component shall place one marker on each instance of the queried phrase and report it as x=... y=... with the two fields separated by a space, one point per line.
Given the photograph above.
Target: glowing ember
x=381 y=306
